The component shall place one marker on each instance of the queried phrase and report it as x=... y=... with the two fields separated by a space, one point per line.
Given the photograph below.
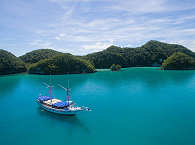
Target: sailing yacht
x=57 y=106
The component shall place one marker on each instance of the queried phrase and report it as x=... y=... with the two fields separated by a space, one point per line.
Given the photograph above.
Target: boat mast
x=50 y=86
x=50 y=90
x=51 y=67
x=68 y=92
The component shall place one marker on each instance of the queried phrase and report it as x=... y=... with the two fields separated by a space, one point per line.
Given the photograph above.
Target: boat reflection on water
x=73 y=122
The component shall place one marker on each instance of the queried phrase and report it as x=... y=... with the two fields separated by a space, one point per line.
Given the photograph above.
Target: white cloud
x=187 y=43
x=98 y=46
x=140 y=6
x=83 y=26
x=57 y=38
x=149 y=6
x=41 y=44
x=65 y=1
x=134 y=7
x=130 y=31
x=125 y=23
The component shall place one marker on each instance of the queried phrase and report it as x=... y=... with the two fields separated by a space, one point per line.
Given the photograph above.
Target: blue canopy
x=44 y=98
x=60 y=104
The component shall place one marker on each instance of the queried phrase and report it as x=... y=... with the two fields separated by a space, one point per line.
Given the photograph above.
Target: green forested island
x=115 y=67
x=10 y=64
x=179 y=61
x=47 y=61
x=62 y=64
x=37 y=55
x=153 y=53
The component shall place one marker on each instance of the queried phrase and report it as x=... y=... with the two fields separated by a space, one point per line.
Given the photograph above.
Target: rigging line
x=54 y=93
x=66 y=89
x=47 y=92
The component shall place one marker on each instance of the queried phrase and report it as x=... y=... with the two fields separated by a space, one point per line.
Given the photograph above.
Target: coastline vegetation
x=115 y=67
x=10 y=64
x=62 y=64
x=153 y=53
x=37 y=55
x=179 y=61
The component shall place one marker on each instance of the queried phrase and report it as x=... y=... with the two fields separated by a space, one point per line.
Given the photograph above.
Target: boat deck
x=64 y=109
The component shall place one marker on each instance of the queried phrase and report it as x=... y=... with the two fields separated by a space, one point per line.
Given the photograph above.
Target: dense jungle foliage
x=152 y=53
x=62 y=64
x=115 y=67
x=179 y=61
x=10 y=64
x=37 y=55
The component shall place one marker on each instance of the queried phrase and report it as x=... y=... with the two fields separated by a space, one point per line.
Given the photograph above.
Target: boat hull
x=58 y=111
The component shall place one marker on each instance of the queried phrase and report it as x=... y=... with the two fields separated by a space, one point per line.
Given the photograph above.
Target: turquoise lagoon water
x=136 y=106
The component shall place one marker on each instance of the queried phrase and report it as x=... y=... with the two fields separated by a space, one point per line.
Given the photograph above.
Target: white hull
x=59 y=111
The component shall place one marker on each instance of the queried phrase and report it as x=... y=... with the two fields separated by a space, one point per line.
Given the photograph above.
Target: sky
x=85 y=26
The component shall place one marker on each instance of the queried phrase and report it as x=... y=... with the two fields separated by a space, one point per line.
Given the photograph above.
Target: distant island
x=115 y=67
x=48 y=61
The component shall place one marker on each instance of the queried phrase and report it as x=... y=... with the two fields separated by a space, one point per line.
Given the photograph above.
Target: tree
x=150 y=54
x=179 y=61
x=10 y=64
x=37 y=55
x=115 y=67
x=62 y=64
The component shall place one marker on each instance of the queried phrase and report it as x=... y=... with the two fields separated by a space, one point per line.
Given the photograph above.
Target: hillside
x=37 y=55
x=62 y=64
x=150 y=54
x=153 y=53
x=179 y=61
x=10 y=64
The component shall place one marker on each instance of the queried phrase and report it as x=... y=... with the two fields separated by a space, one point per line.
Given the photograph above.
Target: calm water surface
x=136 y=106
